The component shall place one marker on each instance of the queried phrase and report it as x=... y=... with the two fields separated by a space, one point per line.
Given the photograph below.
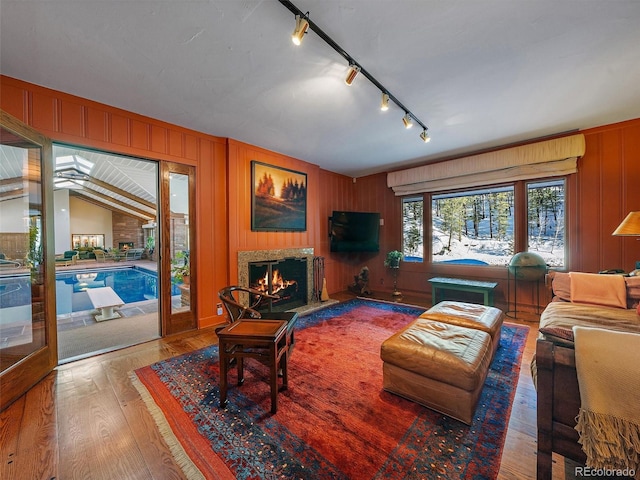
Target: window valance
x=549 y=158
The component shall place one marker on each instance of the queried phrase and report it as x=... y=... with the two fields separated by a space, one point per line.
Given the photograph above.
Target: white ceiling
x=478 y=73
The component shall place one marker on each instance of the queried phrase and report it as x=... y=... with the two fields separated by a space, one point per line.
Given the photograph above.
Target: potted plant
x=180 y=268
x=393 y=259
x=115 y=254
x=150 y=246
x=35 y=255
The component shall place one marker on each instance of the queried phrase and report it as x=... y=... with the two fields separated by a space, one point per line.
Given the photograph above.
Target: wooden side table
x=264 y=340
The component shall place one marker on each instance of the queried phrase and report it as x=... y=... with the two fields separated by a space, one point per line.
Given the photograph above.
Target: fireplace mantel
x=249 y=256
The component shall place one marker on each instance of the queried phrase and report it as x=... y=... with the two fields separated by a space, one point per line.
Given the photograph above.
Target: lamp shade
x=630 y=226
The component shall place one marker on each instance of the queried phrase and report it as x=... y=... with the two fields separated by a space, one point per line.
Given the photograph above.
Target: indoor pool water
x=130 y=284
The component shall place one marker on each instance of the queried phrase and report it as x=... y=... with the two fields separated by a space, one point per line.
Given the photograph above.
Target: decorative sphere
x=527 y=266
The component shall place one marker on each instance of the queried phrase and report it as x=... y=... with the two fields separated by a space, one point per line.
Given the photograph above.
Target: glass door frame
x=20 y=377
x=183 y=319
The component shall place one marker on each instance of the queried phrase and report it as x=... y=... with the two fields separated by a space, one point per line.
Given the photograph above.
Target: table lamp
x=630 y=227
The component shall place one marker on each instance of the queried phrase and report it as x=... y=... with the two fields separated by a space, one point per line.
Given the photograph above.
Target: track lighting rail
x=352 y=62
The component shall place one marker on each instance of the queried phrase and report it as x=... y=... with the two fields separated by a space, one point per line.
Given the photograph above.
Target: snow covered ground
x=491 y=251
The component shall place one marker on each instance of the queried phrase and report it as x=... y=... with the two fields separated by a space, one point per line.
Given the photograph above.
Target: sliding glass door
x=106 y=209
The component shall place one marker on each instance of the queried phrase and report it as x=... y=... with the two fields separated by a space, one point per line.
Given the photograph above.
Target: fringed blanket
x=609 y=419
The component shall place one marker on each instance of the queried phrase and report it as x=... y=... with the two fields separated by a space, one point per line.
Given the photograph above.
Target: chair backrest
x=134 y=254
x=99 y=254
x=232 y=302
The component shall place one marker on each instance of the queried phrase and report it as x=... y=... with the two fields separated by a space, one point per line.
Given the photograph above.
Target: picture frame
x=278 y=199
x=87 y=240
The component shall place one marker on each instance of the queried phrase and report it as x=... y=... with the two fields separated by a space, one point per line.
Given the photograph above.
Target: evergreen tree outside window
x=413 y=229
x=474 y=227
x=546 y=221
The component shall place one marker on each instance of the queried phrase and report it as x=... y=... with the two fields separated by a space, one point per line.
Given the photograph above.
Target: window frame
x=552 y=180
x=520 y=214
x=405 y=200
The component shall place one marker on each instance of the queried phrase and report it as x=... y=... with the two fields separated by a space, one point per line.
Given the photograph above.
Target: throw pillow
x=595 y=289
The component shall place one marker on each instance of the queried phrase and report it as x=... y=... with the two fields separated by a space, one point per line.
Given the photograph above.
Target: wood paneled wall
x=605 y=190
x=599 y=196
x=14 y=245
x=338 y=193
x=76 y=121
x=241 y=237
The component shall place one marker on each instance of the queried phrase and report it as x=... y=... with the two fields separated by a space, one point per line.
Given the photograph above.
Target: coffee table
x=264 y=340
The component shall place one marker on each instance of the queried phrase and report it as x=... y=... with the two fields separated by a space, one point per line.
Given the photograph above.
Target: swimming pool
x=132 y=284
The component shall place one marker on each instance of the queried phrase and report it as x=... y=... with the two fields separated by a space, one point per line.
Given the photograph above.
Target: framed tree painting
x=278 y=199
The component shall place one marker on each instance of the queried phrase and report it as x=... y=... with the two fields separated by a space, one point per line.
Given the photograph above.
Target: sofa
x=554 y=364
x=86 y=253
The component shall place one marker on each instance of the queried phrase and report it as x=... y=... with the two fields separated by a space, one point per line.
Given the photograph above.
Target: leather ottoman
x=438 y=365
x=470 y=315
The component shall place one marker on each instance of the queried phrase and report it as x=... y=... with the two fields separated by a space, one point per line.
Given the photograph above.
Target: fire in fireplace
x=285 y=278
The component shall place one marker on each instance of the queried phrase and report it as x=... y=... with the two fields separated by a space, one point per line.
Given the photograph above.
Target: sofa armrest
x=558 y=404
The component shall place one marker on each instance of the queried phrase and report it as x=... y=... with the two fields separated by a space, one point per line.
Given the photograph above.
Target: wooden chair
x=101 y=255
x=70 y=257
x=233 y=303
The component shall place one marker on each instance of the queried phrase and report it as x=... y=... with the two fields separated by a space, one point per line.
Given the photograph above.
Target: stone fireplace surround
x=246 y=257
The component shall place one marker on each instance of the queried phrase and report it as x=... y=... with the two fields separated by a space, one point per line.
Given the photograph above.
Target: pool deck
x=86 y=265
x=18 y=334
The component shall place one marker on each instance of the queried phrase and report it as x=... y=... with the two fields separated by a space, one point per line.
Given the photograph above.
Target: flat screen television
x=354 y=232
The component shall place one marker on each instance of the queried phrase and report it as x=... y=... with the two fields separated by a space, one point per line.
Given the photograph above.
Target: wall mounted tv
x=354 y=232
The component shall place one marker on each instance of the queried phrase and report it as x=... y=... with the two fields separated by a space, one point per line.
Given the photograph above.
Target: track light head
x=302 y=25
x=384 y=105
x=408 y=123
x=352 y=73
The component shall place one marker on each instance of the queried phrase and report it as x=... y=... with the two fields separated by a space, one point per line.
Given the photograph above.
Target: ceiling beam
x=11 y=181
x=125 y=207
x=11 y=194
x=125 y=194
x=86 y=198
x=88 y=178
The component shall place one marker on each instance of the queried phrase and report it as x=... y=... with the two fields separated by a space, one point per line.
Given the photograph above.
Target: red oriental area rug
x=334 y=421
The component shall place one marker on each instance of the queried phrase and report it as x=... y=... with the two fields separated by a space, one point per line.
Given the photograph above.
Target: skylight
x=75 y=162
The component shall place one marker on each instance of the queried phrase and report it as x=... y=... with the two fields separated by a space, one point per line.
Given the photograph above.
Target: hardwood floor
x=86 y=420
